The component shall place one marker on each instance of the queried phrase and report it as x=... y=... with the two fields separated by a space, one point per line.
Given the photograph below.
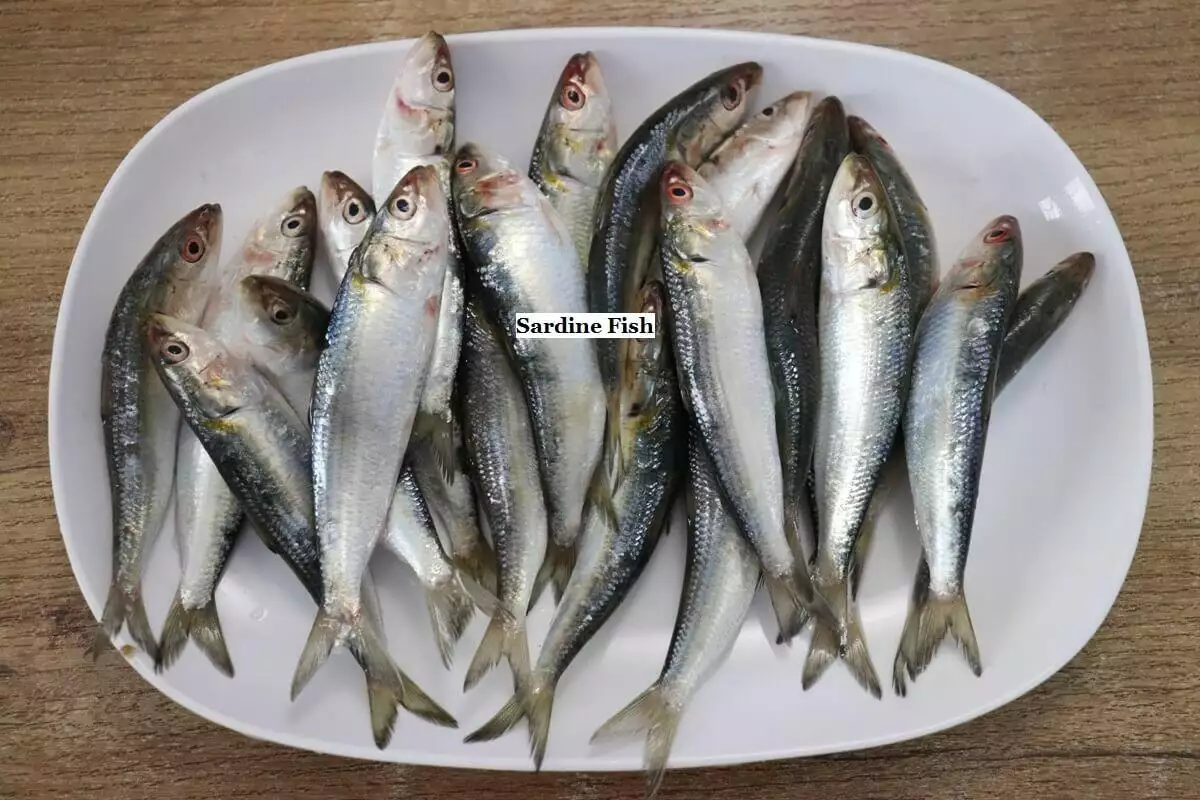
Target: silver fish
x=725 y=381
x=575 y=145
x=417 y=128
x=502 y=462
x=719 y=582
x=945 y=431
x=451 y=500
x=410 y=534
x=345 y=210
x=747 y=168
x=865 y=328
x=365 y=397
x=686 y=127
x=262 y=448
x=140 y=422
x=611 y=557
x=207 y=517
x=524 y=261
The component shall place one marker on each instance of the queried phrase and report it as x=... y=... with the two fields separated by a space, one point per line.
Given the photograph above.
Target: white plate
x=1064 y=485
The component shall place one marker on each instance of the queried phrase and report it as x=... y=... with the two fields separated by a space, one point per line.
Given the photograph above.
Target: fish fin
x=612 y=435
x=325 y=633
x=450 y=611
x=556 y=569
x=414 y=700
x=600 y=495
x=930 y=619
x=827 y=645
x=201 y=625
x=534 y=704
x=122 y=608
x=439 y=436
x=504 y=637
x=650 y=713
x=479 y=563
x=789 y=609
x=480 y=595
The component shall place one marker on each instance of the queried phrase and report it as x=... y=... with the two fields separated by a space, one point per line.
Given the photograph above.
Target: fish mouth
x=1078 y=267
x=206 y=220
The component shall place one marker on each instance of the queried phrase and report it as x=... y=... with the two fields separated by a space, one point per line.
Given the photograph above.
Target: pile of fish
x=411 y=417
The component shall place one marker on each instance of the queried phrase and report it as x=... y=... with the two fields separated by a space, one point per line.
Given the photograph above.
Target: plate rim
x=601 y=762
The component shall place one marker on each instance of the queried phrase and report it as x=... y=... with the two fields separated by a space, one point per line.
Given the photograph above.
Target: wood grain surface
x=82 y=81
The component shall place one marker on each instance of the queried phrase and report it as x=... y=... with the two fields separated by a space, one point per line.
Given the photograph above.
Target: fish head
x=780 y=124
x=422 y=102
x=183 y=256
x=581 y=132
x=283 y=242
x=283 y=316
x=345 y=211
x=696 y=230
x=991 y=261
x=410 y=232
x=730 y=95
x=857 y=234
x=485 y=182
x=863 y=135
x=198 y=370
x=1076 y=268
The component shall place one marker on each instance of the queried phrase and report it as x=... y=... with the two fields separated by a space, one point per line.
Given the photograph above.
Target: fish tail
x=529 y=702
x=600 y=492
x=931 y=618
x=201 y=625
x=479 y=563
x=649 y=713
x=790 y=612
x=611 y=454
x=450 y=611
x=846 y=640
x=122 y=608
x=327 y=631
x=437 y=432
x=504 y=637
x=556 y=570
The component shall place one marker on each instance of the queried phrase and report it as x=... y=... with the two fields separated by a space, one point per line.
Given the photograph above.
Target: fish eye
x=174 y=351
x=192 y=249
x=403 y=208
x=769 y=111
x=293 y=225
x=354 y=212
x=465 y=166
x=864 y=205
x=281 y=313
x=731 y=95
x=679 y=191
x=572 y=98
x=995 y=236
x=443 y=80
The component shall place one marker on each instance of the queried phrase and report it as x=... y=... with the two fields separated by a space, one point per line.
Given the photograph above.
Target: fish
x=417 y=129
x=139 y=420
x=207 y=517
x=748 y=168
x=612 y=557
x=908 y=209
x=365 y=398
x=410 y=534
x=720 y=579
x=866 y=326
x=789 y=272
x=524 y=262
x=1041 y=308
x=958 y=350
x=345 y=210
x=688 y=126
x=717 y=332
x=576 y=143
x=502 y=462
x=262 y=448
x=286 y=334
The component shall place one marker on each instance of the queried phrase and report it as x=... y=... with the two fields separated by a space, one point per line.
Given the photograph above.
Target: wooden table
x=81 y=81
